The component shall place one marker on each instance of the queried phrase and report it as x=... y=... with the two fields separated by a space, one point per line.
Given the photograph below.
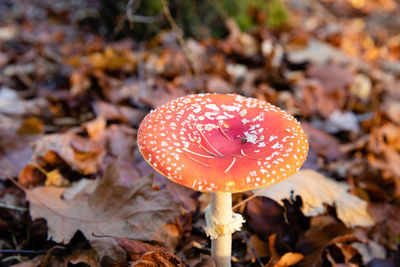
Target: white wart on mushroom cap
x=225 y=143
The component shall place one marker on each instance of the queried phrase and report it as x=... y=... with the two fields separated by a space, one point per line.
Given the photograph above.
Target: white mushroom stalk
x=221 y=223
x=222 y=144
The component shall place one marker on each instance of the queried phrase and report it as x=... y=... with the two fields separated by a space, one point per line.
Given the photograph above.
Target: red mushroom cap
x=225 y=143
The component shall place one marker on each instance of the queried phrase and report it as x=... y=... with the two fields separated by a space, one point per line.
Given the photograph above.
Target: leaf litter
x=103 y=207
x=74 y=88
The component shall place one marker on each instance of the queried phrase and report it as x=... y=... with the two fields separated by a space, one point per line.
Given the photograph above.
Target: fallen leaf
x=392 y=261
x=216 y=84
x=82 y=154
x=320 y=53
x=12 y=104
x=326 y=91
x=55 y=178
x=341 y=253
x=121 y=141
x=159 y=92
x=80 y=257
x=159 y=258
x=95 y=128
x=361 y=87
x=289 y=259
x=264 y=223
x=315 y=191
x=110 y=111
x=341 y=121
x=111 y=59
x=323 y=228
x=386 y=135
x=286 y=260
x=136 y=249
x=31 y=176
x=288 y=221
x=326 y=145
x=16 y=151
x=31 y=125
x=370 y=250
x=170 y=64
x=332 y=77
x=387 y=229
x=104 y=207
x=392 y=108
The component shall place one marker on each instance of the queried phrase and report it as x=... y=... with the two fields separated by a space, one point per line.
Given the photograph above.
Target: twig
x=141 y=76
x=244 y=201
x=144 y=19
x=131 y=8
x=22 y=251
x=252 y=249
x=179 y=36
x=12 y=207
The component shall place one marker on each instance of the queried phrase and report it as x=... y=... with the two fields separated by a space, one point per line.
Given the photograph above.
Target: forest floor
x=72 y=99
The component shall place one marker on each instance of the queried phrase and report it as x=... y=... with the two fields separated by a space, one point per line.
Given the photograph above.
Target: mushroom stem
x=221 y=212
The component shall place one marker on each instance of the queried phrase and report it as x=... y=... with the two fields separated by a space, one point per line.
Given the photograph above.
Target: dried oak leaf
x=105 y=207
x=317 y=190
x=82 y=154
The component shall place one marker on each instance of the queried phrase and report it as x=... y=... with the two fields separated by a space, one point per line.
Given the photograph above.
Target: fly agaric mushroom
x=222 y=144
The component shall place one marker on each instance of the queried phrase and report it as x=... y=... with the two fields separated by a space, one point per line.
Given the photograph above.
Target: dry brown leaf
x=387 y=229
x=323 y=229
x=332 y=77
x=317 y=190
x=159 y=258
x=95 y=128
x=216 y=84
x=104 y=207
x=136 y=249
x=289 y=259
x=30 y=126
x=83 y=257
x=341 y=121
x=320 y=53
x=31 y=176
x=326 y=145
x=370 y=250
x=110 y=111
x=82 y=154
x=12 y=104
x=15 y=153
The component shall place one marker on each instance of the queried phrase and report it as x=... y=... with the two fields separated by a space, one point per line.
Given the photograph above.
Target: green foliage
x=205 y=18
x=274 y=10
x=278 y=14
x=198 y=16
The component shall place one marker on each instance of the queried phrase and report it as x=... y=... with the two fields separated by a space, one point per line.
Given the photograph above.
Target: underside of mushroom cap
x=225 y=143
